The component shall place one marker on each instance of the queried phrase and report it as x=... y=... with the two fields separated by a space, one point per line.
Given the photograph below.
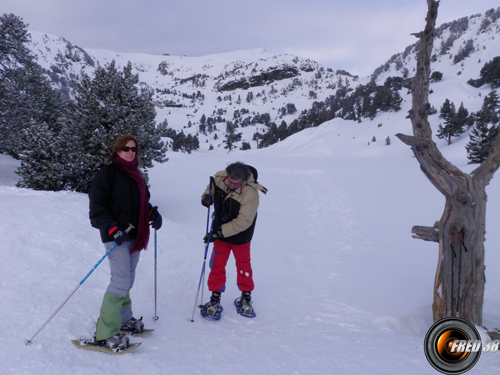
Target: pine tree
x=491 y=107
x=271 y=136
x=203 y=126
x=291 y=109
x=485 y=130
x=192 y=143
x=231 y=137
x=282 y=130
x=179 y=141
x=481 y=139
x=162 y=128
x=26 y=96
x=107 y=106
x=490 y=73
x=463 y=118
x=436 y=76
x=452 y=127
x=41 y=165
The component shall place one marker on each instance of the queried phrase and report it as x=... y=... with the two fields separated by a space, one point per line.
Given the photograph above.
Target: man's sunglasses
x=127 y=149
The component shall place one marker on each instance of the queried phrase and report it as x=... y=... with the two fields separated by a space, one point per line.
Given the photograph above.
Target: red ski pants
x=218 y=261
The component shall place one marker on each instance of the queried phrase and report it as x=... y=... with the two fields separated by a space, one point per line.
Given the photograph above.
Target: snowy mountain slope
x=217 y=86
x=214 y=85
x=481 y=29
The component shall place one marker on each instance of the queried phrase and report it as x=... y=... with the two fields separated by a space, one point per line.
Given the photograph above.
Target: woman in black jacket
x=119 y=200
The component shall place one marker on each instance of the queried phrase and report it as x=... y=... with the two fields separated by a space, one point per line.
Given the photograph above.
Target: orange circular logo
x=452 y=346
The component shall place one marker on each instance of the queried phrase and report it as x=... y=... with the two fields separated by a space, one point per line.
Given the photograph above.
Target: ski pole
x=28 y=342
x=462 y=246
x=454 y=255
x=155 y=318
x=202 y=276
x=156 y=247
x=212 y=183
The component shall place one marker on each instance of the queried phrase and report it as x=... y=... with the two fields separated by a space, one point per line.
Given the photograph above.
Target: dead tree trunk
x=459 y=283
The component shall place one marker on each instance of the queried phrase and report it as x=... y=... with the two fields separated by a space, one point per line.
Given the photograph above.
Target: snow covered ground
x=341 y=287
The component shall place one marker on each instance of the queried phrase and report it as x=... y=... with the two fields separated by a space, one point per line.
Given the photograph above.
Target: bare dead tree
x=460 y=276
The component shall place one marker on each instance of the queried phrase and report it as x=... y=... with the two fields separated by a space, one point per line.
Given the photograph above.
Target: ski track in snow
x=329 y=219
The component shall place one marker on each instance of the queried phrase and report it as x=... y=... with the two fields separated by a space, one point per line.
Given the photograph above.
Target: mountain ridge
x=241 y=86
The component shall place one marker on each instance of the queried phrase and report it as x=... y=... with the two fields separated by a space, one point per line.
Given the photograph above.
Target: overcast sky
x=354 y=35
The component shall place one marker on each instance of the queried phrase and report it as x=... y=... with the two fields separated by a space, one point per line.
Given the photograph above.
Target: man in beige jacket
x=235 y=195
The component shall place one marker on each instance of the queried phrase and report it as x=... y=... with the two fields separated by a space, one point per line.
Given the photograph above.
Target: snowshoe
x=243 y=305
x=118 y=344
x=212 y=309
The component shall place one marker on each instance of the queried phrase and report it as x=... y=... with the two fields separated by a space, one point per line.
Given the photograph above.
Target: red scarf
x=142 y=238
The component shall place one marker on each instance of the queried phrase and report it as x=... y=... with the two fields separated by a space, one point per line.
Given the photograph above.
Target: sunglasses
x=127 y=149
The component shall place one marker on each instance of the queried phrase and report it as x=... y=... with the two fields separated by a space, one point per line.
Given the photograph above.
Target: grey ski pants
x=123 y=265
x=116 y=306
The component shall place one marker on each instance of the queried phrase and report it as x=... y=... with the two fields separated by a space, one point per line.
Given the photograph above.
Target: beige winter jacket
x=236 y=210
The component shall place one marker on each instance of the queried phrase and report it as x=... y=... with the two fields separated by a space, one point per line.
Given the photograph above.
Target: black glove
x=215 y=236
x=205 y=201
x=118 y=234
x=155 y=218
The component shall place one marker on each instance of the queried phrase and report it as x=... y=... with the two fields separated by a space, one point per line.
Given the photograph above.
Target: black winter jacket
x=114 y=196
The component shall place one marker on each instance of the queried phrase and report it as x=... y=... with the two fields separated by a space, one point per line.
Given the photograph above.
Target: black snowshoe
x=243 y=305
x=212 y=309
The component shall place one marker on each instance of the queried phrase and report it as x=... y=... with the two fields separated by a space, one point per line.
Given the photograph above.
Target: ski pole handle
x=155 y=209
x=130 y=227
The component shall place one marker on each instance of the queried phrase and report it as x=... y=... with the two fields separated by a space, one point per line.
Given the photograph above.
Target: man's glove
x=155 y=218
x=215 y=236
x=118 y=234
x=205 y=201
